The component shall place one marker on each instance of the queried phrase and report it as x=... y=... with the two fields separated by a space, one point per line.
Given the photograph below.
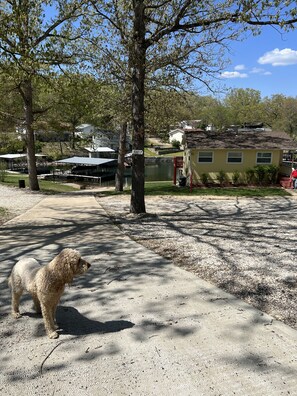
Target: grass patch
x=48 y=187
x=4 y=215
x=148 y=152
x=177 y=154
x=3 y=212
x=167 y=188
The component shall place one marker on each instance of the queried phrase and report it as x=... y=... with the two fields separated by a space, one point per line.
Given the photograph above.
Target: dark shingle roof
x=246 y=139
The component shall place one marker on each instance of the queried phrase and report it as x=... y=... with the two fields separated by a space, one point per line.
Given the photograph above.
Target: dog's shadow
x=72 y=322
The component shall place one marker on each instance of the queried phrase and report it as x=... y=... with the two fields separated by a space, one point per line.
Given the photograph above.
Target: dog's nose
x=88 y=265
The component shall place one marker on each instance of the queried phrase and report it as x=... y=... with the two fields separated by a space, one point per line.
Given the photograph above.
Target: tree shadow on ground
x=243 y=246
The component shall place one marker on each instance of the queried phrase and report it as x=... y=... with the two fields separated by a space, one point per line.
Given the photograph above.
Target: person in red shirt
x=294 y=178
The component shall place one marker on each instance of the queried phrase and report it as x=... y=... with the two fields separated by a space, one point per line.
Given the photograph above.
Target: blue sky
x=267 y=63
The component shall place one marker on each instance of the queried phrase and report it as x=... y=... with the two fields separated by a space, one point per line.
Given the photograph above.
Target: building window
x=234 y=157
x=205 y=157
x=264 y=158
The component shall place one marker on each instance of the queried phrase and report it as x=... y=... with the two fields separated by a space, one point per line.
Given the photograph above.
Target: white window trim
x=234 y=163
x=264 y=152
x=201 y=162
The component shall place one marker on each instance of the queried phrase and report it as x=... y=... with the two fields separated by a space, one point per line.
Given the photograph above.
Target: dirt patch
x=244 y=246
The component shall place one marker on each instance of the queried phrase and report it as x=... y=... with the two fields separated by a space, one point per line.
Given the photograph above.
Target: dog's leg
x=36 y=304
x=48 y=321
x=54 y=316
x=16 y=295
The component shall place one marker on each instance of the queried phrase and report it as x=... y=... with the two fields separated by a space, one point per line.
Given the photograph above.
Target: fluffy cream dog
x=45 y=284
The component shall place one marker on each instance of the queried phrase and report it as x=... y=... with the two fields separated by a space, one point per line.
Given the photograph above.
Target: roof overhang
x=85 y=161
x=100 y=150
x=12 y=156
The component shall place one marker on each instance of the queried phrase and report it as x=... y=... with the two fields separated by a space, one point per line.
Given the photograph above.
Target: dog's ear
x=83 y=266
x=84 y=263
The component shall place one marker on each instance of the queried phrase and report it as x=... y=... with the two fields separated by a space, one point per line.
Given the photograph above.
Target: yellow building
x=212 y=153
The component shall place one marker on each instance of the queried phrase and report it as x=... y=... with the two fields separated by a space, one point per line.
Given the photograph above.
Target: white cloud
x=278 y=57
x=233 y=74
x=258 y=70
x=239 y=67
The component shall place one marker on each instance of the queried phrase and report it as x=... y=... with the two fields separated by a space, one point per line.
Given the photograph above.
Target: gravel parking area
x=244 y=246
x=16 y=201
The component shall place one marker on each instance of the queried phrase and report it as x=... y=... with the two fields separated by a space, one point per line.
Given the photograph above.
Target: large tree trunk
x=138 y=76
x=119 y=181
x=31 y=159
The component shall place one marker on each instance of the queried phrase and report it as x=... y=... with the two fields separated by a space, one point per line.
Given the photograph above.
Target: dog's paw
x=16 y=315
x=53 y=335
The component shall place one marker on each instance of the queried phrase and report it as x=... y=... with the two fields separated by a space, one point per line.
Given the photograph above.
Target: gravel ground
x=244 y=246
x=16 y=201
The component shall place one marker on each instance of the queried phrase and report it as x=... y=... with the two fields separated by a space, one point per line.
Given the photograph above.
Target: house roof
x=85 y=161
x=12 y=156
x=100 y=150
x=183 y=130
x=16 y=156
x=245 y=139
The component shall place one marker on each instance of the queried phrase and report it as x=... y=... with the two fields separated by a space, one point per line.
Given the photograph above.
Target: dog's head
x=72 y=263
x=81 y=266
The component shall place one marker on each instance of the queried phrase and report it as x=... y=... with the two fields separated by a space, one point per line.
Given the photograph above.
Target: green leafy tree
x=242 y=104
x=181 y=38
x=77 y=100
x=281 y=113
x=31 y=46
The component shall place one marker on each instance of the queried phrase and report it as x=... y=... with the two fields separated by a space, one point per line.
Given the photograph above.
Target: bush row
x=261 y=175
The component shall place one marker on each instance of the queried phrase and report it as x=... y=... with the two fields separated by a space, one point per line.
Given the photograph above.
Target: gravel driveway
x=16 y=201
x=245 y=246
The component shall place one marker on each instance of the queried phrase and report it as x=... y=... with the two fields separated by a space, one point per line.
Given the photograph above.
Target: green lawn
x=47 y=187
x=148 y=152
x=3 y=212
x=167 y=188
x=159 y=188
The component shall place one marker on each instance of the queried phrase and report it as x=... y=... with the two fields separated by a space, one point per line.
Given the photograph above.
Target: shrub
x=205 y=178
x=260 y=174
x=272 y=174
x=2 y=170
x=250 y=175
x=222 y=177
x=235 y=177
x=175 y=144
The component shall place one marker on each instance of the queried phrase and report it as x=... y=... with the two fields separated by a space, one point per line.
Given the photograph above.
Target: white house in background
x=97 y=152
x=101 y=137
x=210 y=128
x=104 y=138
x=85 y=130
x=190 y=124
x=176 y=135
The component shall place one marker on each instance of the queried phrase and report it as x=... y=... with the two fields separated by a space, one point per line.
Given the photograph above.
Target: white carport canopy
x=100 y=150
x=12 y=156
x=85 y=161
x=16 y=156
